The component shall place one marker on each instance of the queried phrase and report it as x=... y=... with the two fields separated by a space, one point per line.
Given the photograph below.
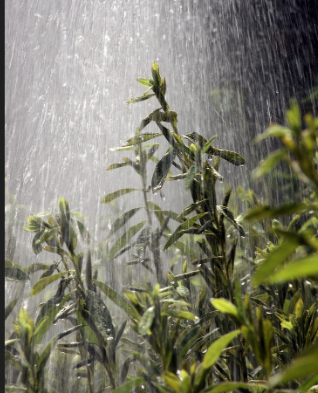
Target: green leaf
x=233 y=386
x=190 y=176
x=119 y=300
x=116 y=166
x=230 y=156
x=135 y=140
x=269 y=163
x=122 y=220
x=300 y=367
x=9 y=342
x=9 y=388
x=145 y=82
x=184 y=226
x=293 y=116
x=129 y=386
x=215 y=350
x=44 y=282
x=161 y=170
x=125 y=238
x=230 y=217
x=273 y=131
x=140 y=98
x=262 y=212
x=13 y=271
x=155 y=73
x=10 y=307
x=146 y=321
x=297 y=269
x=273 y=260
x=225 y=306
x=208 y=144
x=180 y=314
x=110 y=197
x=100 y=314
x=36 y=267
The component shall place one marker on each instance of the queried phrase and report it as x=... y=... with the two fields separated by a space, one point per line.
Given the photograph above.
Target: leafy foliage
x=227 y=322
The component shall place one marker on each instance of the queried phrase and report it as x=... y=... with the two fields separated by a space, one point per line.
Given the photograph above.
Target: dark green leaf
x=161 y=170
x=119 y=300
x=129 y=386
x=100 y=314
x=14 y=272
x=190 y=176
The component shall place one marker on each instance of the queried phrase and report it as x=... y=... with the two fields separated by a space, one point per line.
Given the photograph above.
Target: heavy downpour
x=161 y=196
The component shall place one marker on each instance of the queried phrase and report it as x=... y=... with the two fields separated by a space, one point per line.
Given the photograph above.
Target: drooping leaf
x=44 y=282
x=125 y=238
x=140 y=98
x=120 y=221
x=230 y=156
x=184 y=226
x=110 y=197
x=100 y=314
x=14 y=272
x=215 y=350
x=119 y=300
x=161 y=170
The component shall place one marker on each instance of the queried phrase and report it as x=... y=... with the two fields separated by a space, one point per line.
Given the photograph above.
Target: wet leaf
x=110 y=197
x=129 y=386
x=208 y=144
x=215 y=350
x=226 y=307
x=146 y=321
x=116 y=166
x=9 y=388
x=119 y=300
x=140 y=98
x=184 y=226
x=50 y=270
x=36 y=267
x=230 y=217
x=13 y=271
x=161 y=170
x=44 y=282
x=120 y=221
x=145 y=81
x=230 y=156
x=125 y=238
x=100 y=314
x=155 y=73
x=141 y=138
x=10 y=307
x=190 y=176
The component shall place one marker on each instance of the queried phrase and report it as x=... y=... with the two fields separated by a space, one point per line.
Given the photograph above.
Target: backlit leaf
x=215 y=350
